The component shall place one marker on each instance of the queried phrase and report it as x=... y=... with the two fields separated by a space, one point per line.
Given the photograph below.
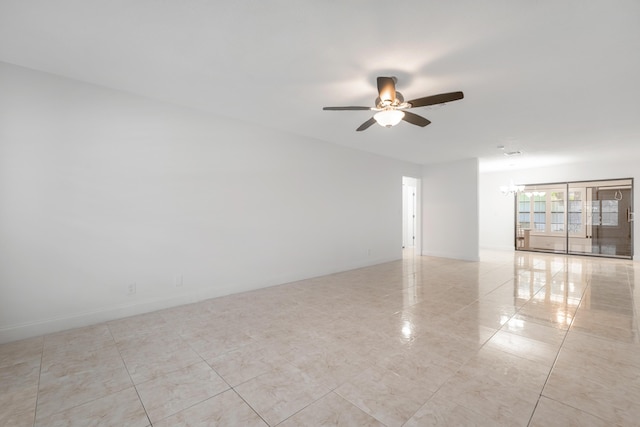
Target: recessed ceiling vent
x=513 y=153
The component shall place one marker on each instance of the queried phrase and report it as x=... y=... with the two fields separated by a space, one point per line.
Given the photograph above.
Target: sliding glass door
x=601 y=220
x=586 y=218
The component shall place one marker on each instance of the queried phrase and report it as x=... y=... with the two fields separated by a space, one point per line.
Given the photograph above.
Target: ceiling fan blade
x=345 y=108
x=387 y=89
x=436 y=99
x=415 y=119
x=366 y=124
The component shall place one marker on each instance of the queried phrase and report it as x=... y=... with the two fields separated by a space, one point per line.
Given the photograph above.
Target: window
x=574 y=212
x=557 y=211
x=539 y=211
x=524 y=211
x=610 y=212
x=542 y=212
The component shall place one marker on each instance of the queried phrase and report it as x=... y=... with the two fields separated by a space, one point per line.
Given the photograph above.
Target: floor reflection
x=515 y=339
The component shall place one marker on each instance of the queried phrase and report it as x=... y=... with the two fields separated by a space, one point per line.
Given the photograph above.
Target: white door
x=409 y=212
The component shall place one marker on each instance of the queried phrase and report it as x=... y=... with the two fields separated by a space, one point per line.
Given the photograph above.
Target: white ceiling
x=556 y=79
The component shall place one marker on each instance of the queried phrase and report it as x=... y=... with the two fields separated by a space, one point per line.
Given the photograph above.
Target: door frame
x=418 y=212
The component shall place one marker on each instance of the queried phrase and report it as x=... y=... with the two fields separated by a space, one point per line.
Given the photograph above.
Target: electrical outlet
x=178 y=281
x=131 y=289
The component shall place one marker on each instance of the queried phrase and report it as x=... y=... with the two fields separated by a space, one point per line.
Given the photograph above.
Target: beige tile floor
x=516 y=339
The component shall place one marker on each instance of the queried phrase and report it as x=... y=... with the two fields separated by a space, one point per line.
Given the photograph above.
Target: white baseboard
x=78 y=320
x=498 y=248
x=451 y=255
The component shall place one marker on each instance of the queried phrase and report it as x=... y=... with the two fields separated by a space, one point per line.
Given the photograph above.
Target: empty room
x=299 y=213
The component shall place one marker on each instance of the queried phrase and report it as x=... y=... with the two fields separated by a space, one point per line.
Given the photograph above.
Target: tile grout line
x=468 y=360
x=318 y=399
x=555 y=360
x=129 y=373
x=35 y=410
x=249 y=405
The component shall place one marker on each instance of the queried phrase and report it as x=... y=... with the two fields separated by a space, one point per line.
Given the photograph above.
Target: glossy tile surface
x=120 y=408
x=517 y=339
x=224 y=409
x=331 y=410
x=281 y=393
x=179 y=390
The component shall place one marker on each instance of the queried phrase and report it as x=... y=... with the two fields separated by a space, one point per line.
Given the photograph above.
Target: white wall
x=497 y=210
x=100 y=189
x=450 y=210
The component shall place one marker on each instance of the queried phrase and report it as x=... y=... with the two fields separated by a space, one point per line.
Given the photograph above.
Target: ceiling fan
x=391 y=107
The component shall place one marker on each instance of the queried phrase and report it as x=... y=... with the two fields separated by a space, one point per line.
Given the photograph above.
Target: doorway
x=410 y=214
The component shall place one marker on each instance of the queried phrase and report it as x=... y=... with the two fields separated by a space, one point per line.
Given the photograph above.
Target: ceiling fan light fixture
x=390 y=105
x=389 y=118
